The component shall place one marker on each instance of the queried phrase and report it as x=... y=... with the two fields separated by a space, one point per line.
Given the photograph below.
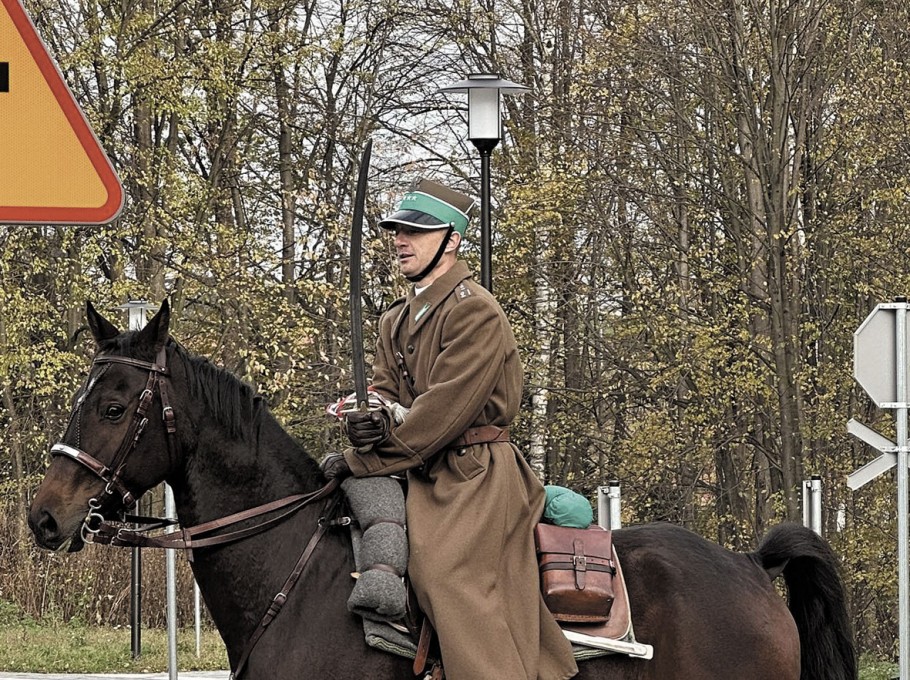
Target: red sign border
x=90 y=144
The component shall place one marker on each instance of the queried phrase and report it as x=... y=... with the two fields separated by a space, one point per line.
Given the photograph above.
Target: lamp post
x=485 y=131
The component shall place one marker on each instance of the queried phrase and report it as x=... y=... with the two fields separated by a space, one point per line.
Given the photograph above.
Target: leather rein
x=95 y=529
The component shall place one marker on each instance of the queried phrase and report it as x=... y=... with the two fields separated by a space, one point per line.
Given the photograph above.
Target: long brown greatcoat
x=470 y=511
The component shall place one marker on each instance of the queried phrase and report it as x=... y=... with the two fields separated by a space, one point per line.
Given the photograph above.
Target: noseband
x=111 y=474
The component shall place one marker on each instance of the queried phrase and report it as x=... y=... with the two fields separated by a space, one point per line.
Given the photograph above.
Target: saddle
x=580 y=579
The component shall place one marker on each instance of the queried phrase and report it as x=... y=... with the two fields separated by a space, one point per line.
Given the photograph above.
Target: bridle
x=96 y=529
x=111 y=474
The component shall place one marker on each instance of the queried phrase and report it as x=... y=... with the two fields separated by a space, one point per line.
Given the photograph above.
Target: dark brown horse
x=709 y=613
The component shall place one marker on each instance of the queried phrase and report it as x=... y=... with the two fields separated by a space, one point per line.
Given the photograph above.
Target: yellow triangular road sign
x=52 y=168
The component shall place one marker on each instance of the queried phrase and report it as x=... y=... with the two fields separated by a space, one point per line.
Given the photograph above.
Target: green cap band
x=442 y=211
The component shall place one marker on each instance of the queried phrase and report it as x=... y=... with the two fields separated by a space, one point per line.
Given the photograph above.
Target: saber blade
x=359 y=363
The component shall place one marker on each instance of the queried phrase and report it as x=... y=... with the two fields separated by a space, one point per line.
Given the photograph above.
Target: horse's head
x=116 y=445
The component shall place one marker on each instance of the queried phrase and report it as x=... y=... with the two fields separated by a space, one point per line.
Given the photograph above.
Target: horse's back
x=710 y=614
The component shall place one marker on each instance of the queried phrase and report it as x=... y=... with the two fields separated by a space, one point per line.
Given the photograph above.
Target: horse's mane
x=232 y=402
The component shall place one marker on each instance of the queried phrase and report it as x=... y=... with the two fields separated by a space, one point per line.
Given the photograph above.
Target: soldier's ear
x=454 y=242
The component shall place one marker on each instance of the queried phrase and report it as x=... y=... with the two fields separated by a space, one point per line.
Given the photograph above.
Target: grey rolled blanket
x=381 y=551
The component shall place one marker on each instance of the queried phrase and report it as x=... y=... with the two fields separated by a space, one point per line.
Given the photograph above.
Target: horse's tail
x=817 y=600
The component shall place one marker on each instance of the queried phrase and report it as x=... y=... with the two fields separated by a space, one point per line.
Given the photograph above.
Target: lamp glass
x=484 y=120
x=136 y=318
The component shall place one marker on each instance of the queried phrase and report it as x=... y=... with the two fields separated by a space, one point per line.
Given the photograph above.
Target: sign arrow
x=882 y=464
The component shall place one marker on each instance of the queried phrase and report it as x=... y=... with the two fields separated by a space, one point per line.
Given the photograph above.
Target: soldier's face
x=416 y=248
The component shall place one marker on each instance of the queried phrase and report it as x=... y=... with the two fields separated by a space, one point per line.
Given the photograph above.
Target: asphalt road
x=195 y=675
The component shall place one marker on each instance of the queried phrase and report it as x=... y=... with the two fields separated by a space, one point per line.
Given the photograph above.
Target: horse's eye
x=114 y=412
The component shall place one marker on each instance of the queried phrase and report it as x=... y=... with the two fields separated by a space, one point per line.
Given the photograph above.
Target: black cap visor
x=412 y=218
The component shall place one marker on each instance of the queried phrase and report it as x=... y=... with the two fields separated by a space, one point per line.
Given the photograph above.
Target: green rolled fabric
x=565 y=508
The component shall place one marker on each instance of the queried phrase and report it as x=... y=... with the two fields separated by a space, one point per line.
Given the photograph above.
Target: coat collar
x=421 y=307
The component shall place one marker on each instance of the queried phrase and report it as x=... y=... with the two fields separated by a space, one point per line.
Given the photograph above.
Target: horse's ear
x=103 y=330
x=155 y=333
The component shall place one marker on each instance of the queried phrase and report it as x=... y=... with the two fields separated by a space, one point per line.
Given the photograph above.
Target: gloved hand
x=334 y=466
x=365 y=429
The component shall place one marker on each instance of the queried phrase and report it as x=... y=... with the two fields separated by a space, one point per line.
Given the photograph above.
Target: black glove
x=334 y=466
x=365 y=429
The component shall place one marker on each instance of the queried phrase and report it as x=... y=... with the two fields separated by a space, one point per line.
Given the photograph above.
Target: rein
x=95 y=529
x=112 y=533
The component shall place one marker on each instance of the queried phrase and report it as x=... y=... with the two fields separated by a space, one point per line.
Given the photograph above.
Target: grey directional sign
x=874 y=355
x=873 y=469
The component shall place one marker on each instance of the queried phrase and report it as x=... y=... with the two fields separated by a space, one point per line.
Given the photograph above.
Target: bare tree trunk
x=544 y=322
x=15 y=443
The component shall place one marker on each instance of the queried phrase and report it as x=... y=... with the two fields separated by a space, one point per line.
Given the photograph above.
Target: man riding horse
x=446 y=353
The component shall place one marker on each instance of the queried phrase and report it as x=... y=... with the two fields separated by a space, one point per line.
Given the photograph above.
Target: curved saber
x=359 y=363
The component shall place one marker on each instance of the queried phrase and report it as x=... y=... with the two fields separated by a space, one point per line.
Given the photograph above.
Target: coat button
x=410 y=349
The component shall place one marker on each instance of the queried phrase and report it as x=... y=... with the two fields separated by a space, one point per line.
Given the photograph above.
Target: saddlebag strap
x=423 y=646
x=484 y=434
x=580 y=563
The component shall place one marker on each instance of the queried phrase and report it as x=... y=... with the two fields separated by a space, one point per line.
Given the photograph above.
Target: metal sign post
x=136 y=312
x=170 y=564
x=812 y=504
x=137 y=319
x=609 y=506
x=880 y=367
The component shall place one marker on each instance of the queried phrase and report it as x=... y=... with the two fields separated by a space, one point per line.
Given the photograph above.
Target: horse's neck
x=223 y=476
x=238 y=582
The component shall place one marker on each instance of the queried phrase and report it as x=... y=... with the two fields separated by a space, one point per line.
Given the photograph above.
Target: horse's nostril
x=49 y=524
x=45 y=528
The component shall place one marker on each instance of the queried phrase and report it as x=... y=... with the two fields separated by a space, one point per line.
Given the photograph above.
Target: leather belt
x=484 y=434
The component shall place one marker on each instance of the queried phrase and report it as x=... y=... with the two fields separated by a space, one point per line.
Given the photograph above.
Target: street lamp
x=485 y=131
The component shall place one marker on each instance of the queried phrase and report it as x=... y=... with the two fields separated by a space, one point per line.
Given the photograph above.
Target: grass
x=51 y=647
x=872 y=669
x=74 y=647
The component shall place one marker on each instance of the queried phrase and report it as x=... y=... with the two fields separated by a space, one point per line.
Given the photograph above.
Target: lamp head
x=484 y=116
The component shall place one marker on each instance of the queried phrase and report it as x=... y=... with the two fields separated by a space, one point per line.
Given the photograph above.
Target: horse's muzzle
x=50 y=534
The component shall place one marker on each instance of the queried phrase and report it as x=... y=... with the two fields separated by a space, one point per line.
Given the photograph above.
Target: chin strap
x=430 y=267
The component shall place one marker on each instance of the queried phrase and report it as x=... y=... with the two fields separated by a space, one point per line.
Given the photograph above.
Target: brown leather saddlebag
x=576 y=572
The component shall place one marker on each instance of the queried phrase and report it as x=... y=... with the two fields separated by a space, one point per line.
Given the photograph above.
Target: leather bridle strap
x=158 y=366
x=110 y=474
x=101 y=470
